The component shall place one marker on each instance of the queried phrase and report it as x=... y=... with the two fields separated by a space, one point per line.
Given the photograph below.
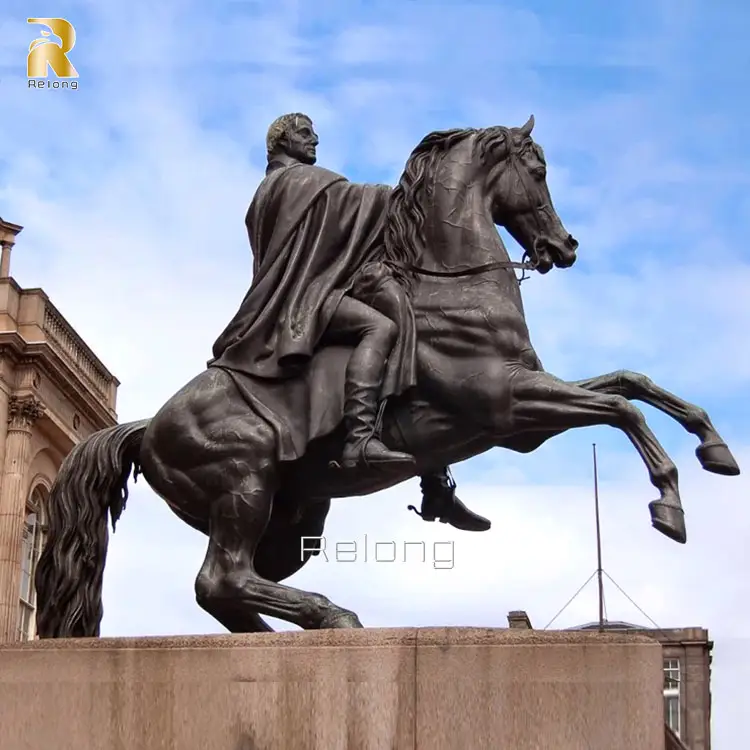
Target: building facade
x=54 y=392
x=687 y=678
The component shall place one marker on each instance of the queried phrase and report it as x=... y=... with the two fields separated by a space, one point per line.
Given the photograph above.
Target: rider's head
x=294 y=136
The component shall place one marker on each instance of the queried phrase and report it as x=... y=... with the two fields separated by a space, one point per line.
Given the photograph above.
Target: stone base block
x=374 y=689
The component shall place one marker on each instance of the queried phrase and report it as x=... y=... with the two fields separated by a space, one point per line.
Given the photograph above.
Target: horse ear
x=528 y=127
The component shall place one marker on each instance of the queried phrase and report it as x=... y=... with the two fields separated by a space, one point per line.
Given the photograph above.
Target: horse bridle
x=523 y=265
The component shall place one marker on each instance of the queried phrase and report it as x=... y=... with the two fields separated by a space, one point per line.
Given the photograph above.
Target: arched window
x=34 y=531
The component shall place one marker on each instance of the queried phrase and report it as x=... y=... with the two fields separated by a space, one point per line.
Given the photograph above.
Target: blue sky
x=133 y=189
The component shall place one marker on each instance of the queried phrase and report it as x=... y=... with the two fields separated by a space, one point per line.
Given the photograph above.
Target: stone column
x=5 y=258
x=22 y=413
x=8 y=234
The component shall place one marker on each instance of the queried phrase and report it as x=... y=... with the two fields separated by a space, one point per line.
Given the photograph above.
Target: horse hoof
x=717 y=458
x=341 y=620
x=669 y=519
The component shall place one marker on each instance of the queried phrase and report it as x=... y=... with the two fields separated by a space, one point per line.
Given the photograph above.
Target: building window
x=33 y=539
x=672 y=694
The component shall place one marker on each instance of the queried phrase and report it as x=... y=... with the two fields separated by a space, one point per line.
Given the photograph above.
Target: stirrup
x=449 y=476
x=360 y=459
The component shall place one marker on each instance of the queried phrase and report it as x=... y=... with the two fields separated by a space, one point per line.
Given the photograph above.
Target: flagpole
x=599 y=569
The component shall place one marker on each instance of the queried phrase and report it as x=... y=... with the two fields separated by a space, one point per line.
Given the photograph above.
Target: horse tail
x=92 y=482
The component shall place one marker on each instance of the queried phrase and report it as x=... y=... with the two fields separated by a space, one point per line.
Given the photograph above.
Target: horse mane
x=404 y=229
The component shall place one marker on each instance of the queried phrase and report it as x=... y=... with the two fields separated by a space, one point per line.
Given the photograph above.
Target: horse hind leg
x=281 y=552
x=230 y=587
x=713 y=453
x=290 y=542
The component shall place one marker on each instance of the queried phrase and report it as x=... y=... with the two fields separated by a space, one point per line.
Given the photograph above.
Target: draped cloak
x=315 y=237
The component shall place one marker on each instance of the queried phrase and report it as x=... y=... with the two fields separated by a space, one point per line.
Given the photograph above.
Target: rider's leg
x=440 y=502
x=373 y=336
x=378 y=288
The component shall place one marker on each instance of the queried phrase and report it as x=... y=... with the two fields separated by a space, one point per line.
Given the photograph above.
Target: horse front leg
x=713 y=453
x=545 y=404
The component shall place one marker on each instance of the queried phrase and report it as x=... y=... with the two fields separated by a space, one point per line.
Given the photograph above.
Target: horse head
x=520 y=199
x=458 y=185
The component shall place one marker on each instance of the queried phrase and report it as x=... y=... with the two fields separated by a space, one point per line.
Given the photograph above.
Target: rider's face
x=301 y=141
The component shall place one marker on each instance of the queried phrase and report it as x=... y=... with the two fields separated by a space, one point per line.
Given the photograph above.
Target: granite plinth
x=373 y=689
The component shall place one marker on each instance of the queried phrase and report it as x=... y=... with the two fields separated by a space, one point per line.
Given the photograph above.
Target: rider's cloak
x=311 y=232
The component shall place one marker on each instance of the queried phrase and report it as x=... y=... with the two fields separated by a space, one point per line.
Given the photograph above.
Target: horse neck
x=459 y=231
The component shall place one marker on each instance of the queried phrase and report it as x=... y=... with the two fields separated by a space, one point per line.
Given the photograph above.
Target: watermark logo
x=46 y=53
x=352 y=551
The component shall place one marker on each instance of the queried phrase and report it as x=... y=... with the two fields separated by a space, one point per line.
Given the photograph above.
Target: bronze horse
x=481 y=385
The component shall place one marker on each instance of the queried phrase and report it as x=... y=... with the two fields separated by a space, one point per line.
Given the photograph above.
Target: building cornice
x=59 y=372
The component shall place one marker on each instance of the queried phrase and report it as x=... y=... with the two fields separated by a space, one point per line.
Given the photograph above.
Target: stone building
x=53 y=393
x=687 y=679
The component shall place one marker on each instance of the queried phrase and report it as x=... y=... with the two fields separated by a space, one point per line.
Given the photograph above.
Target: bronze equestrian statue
x=253 y=460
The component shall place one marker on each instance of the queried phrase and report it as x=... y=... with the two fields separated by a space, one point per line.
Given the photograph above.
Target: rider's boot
x=363 y=447
x=439 y=502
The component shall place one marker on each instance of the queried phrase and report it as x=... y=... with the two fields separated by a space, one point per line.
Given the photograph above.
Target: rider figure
x=353 y=322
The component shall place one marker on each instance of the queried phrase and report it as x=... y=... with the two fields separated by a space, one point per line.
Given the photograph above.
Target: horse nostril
x=571 y=242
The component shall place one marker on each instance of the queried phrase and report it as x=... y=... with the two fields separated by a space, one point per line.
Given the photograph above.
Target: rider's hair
x=279 y=127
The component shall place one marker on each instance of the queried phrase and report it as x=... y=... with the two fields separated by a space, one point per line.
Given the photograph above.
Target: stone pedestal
x=400 y=689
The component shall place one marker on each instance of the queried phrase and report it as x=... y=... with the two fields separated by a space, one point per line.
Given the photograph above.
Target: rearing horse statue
x=480 y=385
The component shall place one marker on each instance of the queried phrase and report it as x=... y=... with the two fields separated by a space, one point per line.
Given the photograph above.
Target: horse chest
x=472 y=321
x=498 y=329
